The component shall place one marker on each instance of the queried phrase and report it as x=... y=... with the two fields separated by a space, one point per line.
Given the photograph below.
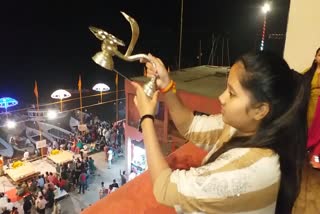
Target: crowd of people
x=74 y=175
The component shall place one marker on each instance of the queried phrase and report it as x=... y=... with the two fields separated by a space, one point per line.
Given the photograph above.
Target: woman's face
x=236 y=103
x=317 y=58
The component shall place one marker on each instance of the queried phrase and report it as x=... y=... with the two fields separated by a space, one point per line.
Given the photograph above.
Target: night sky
x=49 y=41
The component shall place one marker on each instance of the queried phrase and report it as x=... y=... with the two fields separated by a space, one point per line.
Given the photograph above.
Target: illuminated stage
x=61 y=158
x=22 y=173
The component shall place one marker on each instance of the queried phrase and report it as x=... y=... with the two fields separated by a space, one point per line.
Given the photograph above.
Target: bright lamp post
x=266 y=8
x=101 y=87
x=7 y=102
x=60 y=94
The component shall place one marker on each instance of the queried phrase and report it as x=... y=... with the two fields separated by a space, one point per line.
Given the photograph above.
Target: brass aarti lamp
x=110 y=48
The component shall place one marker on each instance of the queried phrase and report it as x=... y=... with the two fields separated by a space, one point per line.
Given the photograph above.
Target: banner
x=41 y=143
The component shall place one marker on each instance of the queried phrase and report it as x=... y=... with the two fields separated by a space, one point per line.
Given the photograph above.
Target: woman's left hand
x=144 y=104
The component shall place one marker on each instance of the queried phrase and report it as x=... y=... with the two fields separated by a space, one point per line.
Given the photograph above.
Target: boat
x=34 y=135
x=6 y=149
x=54 y=131
x=22 y=144
x=74 y=123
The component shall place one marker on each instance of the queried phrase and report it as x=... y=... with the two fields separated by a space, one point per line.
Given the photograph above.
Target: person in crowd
x=82 y=182
x=9 y=205
x=114 y=184
x=40 y=205
x=27 y=205
x=33 y=186
x=92 y=167
x=50 y=198
x=105 y=150
x=14 y=210
x=102 y=191
x=26 y=155
x=132 y=175
x=20 y=191
x=56 y=207
x=123 y=177
x=110 y=157
x=312 y=77
x=256 y=146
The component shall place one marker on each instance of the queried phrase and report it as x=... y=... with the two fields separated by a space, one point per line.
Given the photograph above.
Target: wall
x=303 y=33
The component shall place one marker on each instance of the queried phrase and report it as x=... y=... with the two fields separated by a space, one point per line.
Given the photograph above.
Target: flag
x=79 y=83
x=35 y=90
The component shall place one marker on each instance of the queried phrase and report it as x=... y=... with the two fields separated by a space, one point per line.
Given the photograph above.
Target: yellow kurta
x=315 y=93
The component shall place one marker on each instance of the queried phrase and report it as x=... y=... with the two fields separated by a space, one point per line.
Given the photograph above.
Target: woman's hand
x=155 y=67
x=144 y=104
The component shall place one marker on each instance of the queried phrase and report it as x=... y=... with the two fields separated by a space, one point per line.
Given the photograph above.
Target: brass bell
x=150 y=87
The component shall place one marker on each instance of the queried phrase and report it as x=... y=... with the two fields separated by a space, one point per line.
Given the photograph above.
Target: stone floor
x=74 y=203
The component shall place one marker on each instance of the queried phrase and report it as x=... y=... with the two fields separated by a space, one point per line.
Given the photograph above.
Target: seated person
x=25 y=155
x=33 y=186
x=25 y=187
x=20 y=190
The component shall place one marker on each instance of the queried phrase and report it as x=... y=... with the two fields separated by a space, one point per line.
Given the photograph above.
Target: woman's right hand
x=155 y=67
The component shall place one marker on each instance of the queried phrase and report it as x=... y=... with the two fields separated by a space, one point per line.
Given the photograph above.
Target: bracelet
x=142 y=119
x=170 y=86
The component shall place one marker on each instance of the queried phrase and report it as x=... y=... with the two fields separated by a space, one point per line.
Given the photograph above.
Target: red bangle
x=170 y=86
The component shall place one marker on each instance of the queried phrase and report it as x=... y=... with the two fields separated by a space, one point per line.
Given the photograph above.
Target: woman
x=313 y=82
x=92 y=167
x=255 y=147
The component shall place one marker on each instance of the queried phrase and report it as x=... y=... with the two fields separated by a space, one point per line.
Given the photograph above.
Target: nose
x=222 y=98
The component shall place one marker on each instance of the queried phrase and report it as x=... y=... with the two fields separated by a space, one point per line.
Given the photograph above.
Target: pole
x=100 y=96
x=180 y=39
x=80 y=93
x=117 y=94
x=38 y=112
x=61 y=104
x=263 y=32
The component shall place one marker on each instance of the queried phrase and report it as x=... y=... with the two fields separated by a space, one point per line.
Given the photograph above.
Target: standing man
x=123 y=177
x=82 y=181
x=110 y=156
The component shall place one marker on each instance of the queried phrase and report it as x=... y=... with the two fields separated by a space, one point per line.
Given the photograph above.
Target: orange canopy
x=136 y=196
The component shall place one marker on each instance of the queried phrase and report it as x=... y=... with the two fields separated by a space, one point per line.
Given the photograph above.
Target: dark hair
x=269 y=79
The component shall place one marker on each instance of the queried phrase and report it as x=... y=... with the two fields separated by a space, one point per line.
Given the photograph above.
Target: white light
x=11 y=124
x=266 y=8
x=101 y=87
x=60 y=94
x=52 y=114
